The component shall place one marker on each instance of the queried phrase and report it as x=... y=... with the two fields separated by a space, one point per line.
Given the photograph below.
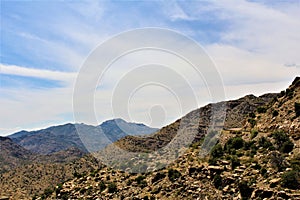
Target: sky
x=254 y=46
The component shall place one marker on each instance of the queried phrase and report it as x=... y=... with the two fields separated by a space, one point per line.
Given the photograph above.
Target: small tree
x=217 y=151
x=112 y=187
x=173 y=174
x=291 y=180
x=287 y=146
x=235 y=161
x=218 y=183
x=245 y=190
x=275 y=113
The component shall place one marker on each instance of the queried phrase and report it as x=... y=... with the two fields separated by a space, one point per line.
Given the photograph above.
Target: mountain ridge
x=60 y=137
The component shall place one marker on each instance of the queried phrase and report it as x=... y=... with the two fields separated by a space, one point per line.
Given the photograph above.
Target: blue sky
x=254 y=44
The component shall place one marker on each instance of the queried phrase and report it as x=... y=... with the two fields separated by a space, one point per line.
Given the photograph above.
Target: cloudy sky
x=254 y=45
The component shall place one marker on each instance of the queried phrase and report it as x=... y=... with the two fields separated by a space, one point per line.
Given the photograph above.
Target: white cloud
x=37 y=73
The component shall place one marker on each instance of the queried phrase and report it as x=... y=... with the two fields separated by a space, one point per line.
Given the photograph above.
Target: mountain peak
x=296 y=82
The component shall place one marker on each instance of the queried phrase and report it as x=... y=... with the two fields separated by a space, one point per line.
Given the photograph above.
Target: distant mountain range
x=63 y=137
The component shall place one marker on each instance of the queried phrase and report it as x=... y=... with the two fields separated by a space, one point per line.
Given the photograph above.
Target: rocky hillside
x=62 y=137
x=36 y=178
x=256 y=157
x=252 y=160
x=12 y=155
x=282 y=113
x=228 y=115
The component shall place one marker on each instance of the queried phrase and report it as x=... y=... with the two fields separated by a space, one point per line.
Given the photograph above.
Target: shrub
x=252 y=122
x=102 y=186
x=264 y=142
x=261 y=110
x=295 y=162
x=234 y=143
x=217 y=151
x=173 y=174
x=112 y=187
x=252 y=115
x=263 y=171
x=291 y=180
x=280 y=137
x=297 y=109
x=58 y=189
x=245 y=190
x=141 y=181
x=47 y=193
x=235 y=161
x=287 y=146
x=217 y=181
x=254 y=133
x=275 y=113
x=158 y=177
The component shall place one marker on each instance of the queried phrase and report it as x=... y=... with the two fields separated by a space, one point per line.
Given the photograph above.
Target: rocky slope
x=12 y=155
x=253 y=159
x=34 y=179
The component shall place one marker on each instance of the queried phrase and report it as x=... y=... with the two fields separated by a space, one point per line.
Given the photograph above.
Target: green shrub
x=141 y=181
x=291 y=180
x=252 y=122
x=261 y=109
x=158 y=177
x=264 y=142
x=234 y=143
x=217 y=181
x=275 y=113
x=280 y=137
x=212 y=161
x=173 y=174
x=47 y=193
x=235 y=161
x=217 y=151
x=297 y=109
x=295 y=162
x=252 y=115
x=263 y=171
x=102 y=186
x=254 y=133
x=287 y=147
x=112 y=187
x=245 y=190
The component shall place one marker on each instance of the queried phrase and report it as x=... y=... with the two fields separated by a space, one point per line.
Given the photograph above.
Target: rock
x=274 y=182
x=226 y=188
x=283 y=195
x=238 y=170
x=225 y=162
x=288 y=169
x=4 y=198
x=263 y=193
x=216 y=168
